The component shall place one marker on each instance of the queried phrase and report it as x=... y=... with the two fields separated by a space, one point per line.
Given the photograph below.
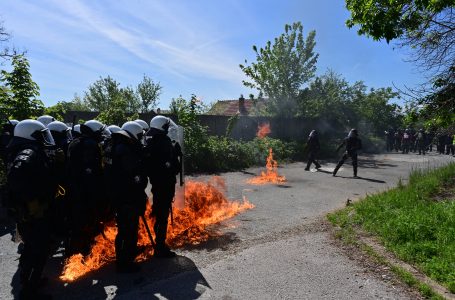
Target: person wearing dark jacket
x=353 y=143
x=313 y=147
x=162 y=165
x=128 y=185
x=421 y=141
x=85 y=188
x=31 y=185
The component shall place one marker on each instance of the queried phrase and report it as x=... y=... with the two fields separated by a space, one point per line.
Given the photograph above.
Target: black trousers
x=346 y=155
x=163 y=195
x=127 y=218
x=312 y=159
x=35 y=235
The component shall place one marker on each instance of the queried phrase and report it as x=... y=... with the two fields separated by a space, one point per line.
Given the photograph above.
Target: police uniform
x=353 y=144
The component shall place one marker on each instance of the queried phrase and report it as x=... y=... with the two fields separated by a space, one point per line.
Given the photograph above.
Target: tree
x=19 y=91
x=282 y=68
x=428 y=29
x=332 y=99
x=114 y=103
x=59 y=110
x=4 y=38
x=149 y=93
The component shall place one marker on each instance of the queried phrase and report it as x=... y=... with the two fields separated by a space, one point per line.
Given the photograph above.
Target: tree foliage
x=427 y=27
x=18 y=92
x=282 y=68
x=149 y=93
x=59 y=109
x=331 y=98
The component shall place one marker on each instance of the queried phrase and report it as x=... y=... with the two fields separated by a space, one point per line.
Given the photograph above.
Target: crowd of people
x=420 y=141
x=64 y=182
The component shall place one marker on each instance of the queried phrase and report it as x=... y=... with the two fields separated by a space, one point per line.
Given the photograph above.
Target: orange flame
x=205 y=204
x=271 y=174
x=263 y=130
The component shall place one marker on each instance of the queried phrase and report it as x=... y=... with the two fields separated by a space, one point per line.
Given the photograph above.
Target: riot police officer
x=353 y=143
x=87 y=201
x=313 y=148
x=128 y=184
x=31 y=185
x=162 y=166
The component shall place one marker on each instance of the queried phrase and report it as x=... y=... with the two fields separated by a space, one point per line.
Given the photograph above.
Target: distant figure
x=421 y=141
x=406 y=141
x=389 y=135
x=353 y=144
x=313 y=147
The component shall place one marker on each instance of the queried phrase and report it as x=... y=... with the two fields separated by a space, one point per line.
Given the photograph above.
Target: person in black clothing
x=421 y=141
x=313 y=148
x=128 y=184
x=389 y=137
x=353 y=143
x=6 y=134
x=162 y=165
x=87 y=202
x=31 y=185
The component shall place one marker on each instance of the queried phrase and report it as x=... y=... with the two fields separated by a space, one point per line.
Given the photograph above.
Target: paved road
x=278 y=250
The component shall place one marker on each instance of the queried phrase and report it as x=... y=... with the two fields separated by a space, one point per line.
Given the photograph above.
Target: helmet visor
x=69 y=135
x=46 y=137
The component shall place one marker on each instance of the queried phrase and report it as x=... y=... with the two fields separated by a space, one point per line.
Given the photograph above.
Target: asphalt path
x=278 y=250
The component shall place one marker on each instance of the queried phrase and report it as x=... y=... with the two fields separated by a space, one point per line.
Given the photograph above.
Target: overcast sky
x=190 y=47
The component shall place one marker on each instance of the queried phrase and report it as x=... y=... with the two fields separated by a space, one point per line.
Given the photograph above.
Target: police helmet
x=92 y=127
x=353 y=133
x=160 y=123
x=144 y=124
x=313 y=133
x=114 y=128
x=46 y=119
x=60 y=128
x=134 y=129
x=77 y=128
x=34 y=131
x=13 y=122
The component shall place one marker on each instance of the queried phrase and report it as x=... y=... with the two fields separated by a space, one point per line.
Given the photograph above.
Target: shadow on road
x=363 y=178
x=153 y=280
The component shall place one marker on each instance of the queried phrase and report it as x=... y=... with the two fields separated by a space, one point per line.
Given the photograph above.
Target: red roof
x=231 y=107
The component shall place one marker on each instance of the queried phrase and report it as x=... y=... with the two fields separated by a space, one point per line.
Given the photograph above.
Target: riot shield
x=175 y=133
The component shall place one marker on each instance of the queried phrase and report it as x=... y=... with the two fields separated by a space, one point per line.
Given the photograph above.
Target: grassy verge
x=416 y=222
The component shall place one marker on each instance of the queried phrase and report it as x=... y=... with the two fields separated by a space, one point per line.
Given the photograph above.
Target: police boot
x=355 y=172
x=163 y=251
x=307 y=166
x=336 y=169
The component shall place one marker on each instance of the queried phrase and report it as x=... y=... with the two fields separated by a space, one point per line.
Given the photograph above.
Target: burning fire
x=263 y=130
x=271 y=174
x=205 y=204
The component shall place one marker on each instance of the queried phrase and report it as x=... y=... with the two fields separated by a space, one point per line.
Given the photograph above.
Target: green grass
x=415 y=221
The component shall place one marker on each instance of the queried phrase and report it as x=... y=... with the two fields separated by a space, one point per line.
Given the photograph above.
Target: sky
x=189 y=47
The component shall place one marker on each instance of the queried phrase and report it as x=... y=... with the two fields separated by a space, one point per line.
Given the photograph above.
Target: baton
x=148 y=231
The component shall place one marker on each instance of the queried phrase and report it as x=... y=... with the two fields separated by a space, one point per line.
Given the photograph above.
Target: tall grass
x=416 y=221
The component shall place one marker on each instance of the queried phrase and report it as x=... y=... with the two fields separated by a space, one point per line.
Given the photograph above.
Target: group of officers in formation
x=64 y=182
x=420 y=141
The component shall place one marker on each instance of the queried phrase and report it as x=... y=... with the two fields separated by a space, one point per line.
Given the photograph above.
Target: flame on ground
x=263 y=130
x=271 y=174
x=205 y=204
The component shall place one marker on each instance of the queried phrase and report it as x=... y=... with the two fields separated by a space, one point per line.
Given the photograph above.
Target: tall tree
x=19 y=91
x=149 y=93
x=105 y=92
x=282 y=68
x=427 y=27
